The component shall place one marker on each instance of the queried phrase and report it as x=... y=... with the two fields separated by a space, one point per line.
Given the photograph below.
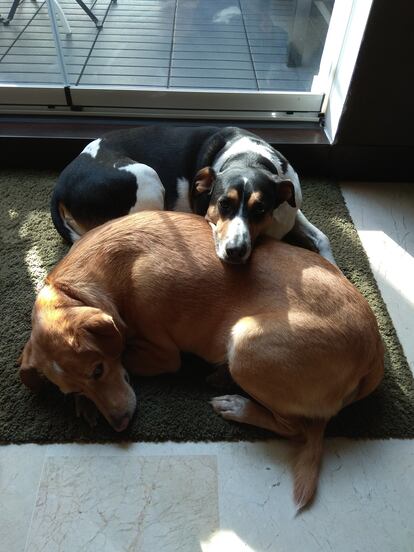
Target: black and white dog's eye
x=98 y=371
x=224 y=204
x=258 y=209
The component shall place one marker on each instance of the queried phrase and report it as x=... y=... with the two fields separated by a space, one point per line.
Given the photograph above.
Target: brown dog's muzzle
x=119 y=423
x=31 y=378
x=116 y=401
x=29 y=374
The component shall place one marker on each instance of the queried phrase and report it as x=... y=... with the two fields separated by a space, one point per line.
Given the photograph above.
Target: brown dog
x=296 y=335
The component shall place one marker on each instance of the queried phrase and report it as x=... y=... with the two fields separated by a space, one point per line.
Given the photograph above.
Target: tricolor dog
x=242 y=185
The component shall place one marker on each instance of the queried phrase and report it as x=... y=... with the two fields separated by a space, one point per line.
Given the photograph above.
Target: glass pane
x=28 y=55
x=219 y=45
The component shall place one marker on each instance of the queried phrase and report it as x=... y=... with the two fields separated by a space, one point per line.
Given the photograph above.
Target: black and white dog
x=235 y=179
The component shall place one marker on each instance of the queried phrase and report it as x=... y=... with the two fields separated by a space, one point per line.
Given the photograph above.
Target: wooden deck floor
x=198 y=44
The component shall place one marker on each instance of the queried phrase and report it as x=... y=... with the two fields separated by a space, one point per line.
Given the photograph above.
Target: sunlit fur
x=299 y=339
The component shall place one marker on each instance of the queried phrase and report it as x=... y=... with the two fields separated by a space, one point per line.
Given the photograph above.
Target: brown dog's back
x=162 y=266
x=298 y=337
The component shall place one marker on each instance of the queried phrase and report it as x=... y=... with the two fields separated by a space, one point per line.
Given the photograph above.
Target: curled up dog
x=243 y=186
x=297 y=337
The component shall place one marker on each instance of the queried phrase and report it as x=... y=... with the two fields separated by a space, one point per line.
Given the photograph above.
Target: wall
x=379 y=110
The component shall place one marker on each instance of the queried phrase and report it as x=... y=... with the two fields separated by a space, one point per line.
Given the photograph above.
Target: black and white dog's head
x=244 y=188
x=239 y=201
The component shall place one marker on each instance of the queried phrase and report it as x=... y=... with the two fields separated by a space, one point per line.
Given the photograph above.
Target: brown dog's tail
x=308 y=462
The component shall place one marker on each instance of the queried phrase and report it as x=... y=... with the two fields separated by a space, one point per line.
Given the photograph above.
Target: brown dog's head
x=78 y=348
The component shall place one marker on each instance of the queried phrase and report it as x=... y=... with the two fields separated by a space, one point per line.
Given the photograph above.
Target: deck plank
x=177 y=44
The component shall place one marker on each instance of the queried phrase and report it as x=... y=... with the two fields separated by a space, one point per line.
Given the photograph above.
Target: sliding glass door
x=255 y=59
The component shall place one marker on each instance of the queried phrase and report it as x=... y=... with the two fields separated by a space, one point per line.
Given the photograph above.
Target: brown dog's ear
x=29 y=374
x=203 y=180
x=285 y=191
x=97 y=331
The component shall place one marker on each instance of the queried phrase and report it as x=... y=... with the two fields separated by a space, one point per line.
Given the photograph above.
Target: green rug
x=169 y=407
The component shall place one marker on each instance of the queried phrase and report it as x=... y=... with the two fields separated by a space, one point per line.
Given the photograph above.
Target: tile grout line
x=35 y=500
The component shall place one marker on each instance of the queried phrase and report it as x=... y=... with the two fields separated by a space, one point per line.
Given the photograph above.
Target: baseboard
x=52 y=144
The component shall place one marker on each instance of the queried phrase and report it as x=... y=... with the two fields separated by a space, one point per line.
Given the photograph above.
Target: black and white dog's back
x=127 y=171
x=242 y=185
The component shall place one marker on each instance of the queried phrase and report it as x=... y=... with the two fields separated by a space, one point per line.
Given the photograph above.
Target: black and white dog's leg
x=305 y=234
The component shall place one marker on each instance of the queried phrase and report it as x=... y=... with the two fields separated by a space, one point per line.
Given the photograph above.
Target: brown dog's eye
x=98 y=371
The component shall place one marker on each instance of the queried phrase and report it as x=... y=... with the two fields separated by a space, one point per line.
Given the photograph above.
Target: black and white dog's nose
x=236 y=252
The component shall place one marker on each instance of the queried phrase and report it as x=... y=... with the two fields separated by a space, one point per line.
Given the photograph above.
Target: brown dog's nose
x=119 y=423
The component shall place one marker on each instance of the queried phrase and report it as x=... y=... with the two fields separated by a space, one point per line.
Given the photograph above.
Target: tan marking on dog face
x=222 y=228
x=259 y=228
x=254 y=199
x=255 y=228
x=212 y=214
x=234 y=195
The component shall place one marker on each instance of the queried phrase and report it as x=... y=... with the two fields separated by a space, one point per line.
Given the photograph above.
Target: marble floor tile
x=20 y=471
x=366 y=491
x=116 y=504
x=364 y=503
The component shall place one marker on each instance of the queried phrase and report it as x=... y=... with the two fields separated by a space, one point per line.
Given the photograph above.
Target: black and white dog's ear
x=203 y=180
x=285 y=191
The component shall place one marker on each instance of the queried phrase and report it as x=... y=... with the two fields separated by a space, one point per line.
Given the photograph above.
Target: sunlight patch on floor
x=394 y=264
x=223 y=541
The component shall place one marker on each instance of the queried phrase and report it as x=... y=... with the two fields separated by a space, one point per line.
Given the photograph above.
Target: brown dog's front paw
x=86 y=409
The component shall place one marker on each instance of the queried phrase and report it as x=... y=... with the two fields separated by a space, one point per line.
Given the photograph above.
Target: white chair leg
x=62 y=17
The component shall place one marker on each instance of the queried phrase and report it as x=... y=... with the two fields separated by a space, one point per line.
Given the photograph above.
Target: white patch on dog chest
x=150 y=191
x=92 y=148
x=182 y=204
x=57 y=368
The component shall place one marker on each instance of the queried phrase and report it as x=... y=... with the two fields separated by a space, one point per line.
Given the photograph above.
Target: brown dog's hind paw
x=86 y=409
x=231 y=407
